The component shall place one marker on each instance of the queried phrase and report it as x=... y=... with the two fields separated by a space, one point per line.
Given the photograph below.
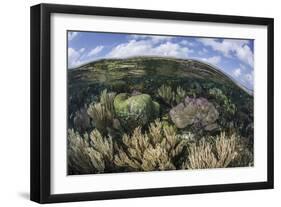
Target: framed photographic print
x=132 y=103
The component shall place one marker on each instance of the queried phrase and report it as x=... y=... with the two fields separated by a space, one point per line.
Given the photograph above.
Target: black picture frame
x=41 y=98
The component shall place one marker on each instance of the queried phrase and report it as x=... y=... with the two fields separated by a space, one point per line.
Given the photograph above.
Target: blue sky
x=233 y=56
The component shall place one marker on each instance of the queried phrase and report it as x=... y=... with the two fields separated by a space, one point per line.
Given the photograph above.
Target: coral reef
x=160 y=148
x=226 y=103
x=103 y=112
x=171 y=97
x=194 y=111
x=86 y=154
x=180 y=94
x=137 y=110
x=81 y=120
x=150 y=113
x=167 y=94
x=217 y=154
x=78 y=159
x=155 y=150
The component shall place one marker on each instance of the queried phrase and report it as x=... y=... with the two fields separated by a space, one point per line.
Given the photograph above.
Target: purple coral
x=194 y=111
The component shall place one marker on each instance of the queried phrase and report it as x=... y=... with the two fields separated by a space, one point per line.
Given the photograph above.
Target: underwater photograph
x=142 y=102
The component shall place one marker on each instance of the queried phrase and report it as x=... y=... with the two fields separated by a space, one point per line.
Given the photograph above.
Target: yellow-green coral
x=167 y=94
x=180 y=94
x=136 y=110
x=171 y=97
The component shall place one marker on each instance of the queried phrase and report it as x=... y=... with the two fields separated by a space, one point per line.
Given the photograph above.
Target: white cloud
x=157 y=39
x=237 y=72
x=72 y=35
x=231 y=48
x=245 y=54
x=138 y=37
x=187 y=43
x=82 y=50
x=171 y=49
x=145 y=48
x=154 y=39
x=77 y=57
x=73 y=57
x=202 y=52
x=95 y=51
x=212 y=60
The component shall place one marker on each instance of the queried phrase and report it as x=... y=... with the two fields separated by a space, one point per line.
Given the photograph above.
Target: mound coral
x=136 y=110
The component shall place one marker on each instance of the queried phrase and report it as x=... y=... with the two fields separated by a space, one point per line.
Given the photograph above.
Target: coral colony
x=156 y=113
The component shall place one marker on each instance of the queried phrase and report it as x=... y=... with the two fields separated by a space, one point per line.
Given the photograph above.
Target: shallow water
x=227 y=107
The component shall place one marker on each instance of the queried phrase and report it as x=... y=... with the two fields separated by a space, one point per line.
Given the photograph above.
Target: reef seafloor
x=155 y=113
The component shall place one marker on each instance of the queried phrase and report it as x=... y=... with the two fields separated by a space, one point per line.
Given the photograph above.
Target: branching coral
x=104 y=145
x=158 y=149
x=171 y=97
x=81 y=120
x=218 y=154
x=155 y=150
x=107 y=99
x=195 y=89
x=167 y=94
x=180 y=94
x=87 y=155
x=117 y=132
x=78 y=158
x=245 y=154
x=103 y=113
x=227 y=104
